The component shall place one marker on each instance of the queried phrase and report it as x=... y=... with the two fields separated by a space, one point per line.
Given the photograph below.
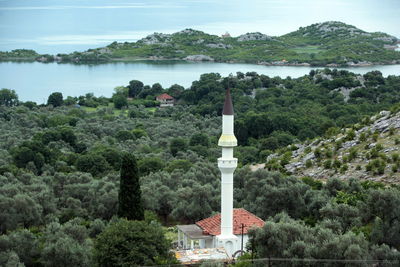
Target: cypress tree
x=129 y=197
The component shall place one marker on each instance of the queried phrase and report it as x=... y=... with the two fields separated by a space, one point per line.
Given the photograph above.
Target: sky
x=51 y=26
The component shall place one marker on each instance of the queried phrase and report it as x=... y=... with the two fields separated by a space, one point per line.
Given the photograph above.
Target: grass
x=310 y=49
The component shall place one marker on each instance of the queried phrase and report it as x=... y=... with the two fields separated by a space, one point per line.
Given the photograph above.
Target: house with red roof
x=203 y=233
x=165 y=100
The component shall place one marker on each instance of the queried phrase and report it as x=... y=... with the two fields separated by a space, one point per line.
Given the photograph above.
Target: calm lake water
x=36 y=81
x=64 y=26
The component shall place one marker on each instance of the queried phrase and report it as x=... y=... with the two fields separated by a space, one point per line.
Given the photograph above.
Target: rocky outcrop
x=189 y=32
x=219 y=45
x=368 y=153
x=387 y=39
x=359 y=64
x=156 y=38
x=199 y=58
x=339 y=27
x=253 y=36
x=345 y=92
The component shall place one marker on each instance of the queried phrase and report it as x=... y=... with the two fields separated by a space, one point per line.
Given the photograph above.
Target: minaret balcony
x=227 y=140
x=227 y=163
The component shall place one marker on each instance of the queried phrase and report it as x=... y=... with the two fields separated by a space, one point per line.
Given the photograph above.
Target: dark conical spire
x=228 y=107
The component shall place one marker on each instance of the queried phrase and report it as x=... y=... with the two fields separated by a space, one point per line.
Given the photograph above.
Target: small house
x=165 y=100
x=226 y=35
x=203 y=234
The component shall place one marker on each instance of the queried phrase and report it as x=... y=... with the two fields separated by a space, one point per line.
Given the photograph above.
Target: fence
x=289 y=262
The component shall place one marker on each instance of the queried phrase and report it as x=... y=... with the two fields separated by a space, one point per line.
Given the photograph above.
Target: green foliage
x=327 y=164
x=315 y=184
x=124 y=135
x=353 y=153
x=176 y=145
x=132 y=243
x=55 y=99
x=317 y=153
x=120 y=101
x=92 y=163
x=283 y=237
x=250 y=154
x=350 y=135
x=8 y=97
x=336 y=164
x=151 y=164
x=66 y=245
x=138 y=133
x=47 y=155
x=376 y=166
x=129 y=196
x=179 y=164
x=18 y=54
x=135 y=87
x=199 y=139
x=348 y=198
x=308 y=163
x=121 y=90
x=363 y=137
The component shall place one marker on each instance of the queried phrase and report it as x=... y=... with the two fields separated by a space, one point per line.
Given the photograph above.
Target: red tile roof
x=212 y=225
x=164 y=97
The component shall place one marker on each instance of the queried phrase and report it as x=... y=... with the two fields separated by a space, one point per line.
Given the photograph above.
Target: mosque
x=229 y=229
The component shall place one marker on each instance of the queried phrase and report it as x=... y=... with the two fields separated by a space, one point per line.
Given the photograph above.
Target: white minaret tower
x=227 y=165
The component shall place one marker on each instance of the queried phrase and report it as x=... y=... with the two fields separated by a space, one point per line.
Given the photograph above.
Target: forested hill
x=334 y=43
x=60 y=162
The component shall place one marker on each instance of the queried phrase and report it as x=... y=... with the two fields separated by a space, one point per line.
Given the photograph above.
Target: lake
x=36 y=81
x=64 y=26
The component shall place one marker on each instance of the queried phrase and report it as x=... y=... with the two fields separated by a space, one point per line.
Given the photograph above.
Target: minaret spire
x=228 y=106
x=227 y=165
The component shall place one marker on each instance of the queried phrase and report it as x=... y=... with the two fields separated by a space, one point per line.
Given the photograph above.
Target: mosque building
x=228 y=229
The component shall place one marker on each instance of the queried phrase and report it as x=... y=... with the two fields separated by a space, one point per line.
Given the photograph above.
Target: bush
x=308 y=163
x=132 y=243
x=92 y=163
x=318 y=153
x=328 y=164
x=120 y=101
x=55 y=99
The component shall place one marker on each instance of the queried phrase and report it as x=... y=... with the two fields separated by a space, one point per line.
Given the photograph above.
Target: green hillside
x=319 y=44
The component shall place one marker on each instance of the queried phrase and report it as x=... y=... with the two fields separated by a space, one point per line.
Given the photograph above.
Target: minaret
x=227 y=165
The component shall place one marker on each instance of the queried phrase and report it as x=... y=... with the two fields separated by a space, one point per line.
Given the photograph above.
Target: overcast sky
x=73 y=24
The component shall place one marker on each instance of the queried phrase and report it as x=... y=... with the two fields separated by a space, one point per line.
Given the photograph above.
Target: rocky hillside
x=334 y=43
x=332 y=31
x=369 y=151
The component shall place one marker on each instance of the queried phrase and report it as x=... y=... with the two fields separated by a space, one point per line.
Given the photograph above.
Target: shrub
x=336 y=164
x=328 y=164
x=132 y=243
x=308 y=163
x=317 y=153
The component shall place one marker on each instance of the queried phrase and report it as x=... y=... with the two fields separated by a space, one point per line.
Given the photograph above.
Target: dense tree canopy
x=60 y=167
x=55 y=99
x=8 y=97
x=132 y=243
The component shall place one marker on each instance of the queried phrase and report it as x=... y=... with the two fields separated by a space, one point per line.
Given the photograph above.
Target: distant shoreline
x=274 y=63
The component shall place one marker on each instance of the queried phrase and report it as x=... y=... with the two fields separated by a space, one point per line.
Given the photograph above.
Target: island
x=330 y=44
